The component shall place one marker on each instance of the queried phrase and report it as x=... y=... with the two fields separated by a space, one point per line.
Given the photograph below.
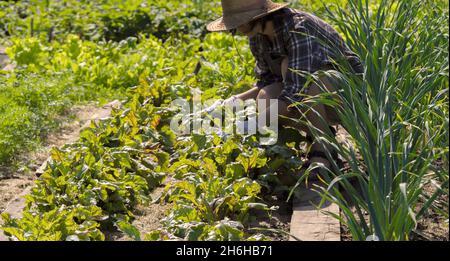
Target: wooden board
x=311 y=224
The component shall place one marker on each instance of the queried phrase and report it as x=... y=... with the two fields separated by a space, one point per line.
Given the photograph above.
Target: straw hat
x=239 y=12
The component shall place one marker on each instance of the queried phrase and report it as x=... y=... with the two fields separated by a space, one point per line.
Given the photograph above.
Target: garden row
x=93 y=185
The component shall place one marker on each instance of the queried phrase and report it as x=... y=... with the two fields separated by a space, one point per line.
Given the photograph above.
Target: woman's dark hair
x=263 y=20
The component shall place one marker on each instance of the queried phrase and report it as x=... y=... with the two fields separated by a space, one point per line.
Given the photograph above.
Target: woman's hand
x=215 y=105
x=220 y=103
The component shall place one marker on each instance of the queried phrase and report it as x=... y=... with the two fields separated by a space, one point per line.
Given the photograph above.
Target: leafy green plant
x=106 y=173
x=394 y=116
x=118 y=161
x=105 y=20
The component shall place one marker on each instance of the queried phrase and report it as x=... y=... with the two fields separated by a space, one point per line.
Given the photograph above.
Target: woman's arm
x=250 y=94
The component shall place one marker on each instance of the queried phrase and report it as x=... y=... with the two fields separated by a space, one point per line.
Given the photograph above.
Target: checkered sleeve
x=262 y=71
x=303 y=57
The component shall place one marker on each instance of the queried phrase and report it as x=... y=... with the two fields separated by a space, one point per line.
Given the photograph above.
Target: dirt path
x=4 y=60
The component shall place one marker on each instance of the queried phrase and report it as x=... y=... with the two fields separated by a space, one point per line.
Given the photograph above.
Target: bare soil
x=275 y=225
x=147 y=218
x=5 y=64
x=10 y=188
x=433 y=226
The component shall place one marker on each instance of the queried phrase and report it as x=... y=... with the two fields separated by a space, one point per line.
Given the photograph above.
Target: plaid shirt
x=310 y=45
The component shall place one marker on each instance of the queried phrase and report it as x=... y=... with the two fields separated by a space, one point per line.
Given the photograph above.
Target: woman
x=286 y=42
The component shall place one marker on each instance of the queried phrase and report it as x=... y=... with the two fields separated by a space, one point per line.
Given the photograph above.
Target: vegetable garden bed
x=130 y=176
